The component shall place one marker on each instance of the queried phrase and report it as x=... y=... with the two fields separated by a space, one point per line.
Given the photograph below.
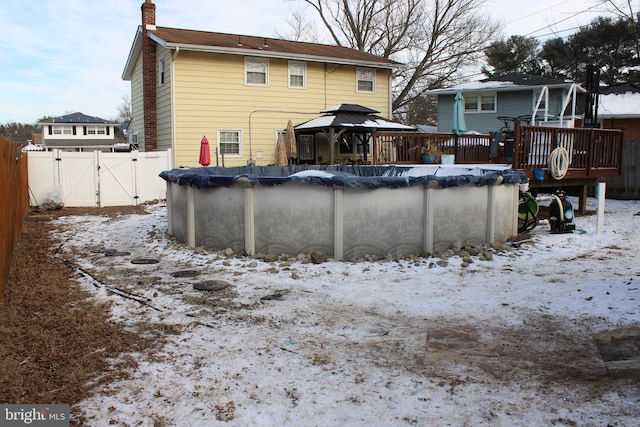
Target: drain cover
x=211 y=285
x=144 y=261
x=116 y=253
x=185 y=273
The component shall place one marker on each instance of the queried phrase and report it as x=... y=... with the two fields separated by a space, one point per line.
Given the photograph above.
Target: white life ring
x=559 y=163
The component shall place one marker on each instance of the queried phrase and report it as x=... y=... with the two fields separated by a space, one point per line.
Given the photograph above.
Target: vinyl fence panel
x=42 y=175
x=78 y=178
x=117 y=179
x=97 y=178
x=149 y=184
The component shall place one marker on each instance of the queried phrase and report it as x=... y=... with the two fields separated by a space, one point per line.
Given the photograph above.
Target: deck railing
x=407 y=147
x=593 y=153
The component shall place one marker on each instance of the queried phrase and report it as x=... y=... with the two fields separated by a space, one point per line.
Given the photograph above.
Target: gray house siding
x=510 y=104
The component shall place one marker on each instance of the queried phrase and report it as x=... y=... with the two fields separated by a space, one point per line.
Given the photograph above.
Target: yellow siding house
x=239 y=91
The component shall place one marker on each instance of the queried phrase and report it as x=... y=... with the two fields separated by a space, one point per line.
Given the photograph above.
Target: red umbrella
x=205 y=154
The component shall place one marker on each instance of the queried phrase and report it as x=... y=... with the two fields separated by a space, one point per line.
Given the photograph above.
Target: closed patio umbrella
x=281 y=152
x=458 y=126
x=292 y=148
x=205 y=153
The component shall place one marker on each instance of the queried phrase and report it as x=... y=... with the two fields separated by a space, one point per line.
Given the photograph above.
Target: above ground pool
x=345 y=212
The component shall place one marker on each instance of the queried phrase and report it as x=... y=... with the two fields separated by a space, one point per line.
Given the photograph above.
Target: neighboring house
x=79 y=132
x=619 y=108
x=511 y=95
x=239 y=91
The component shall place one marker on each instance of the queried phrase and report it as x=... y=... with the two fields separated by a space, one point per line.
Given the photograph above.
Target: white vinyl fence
x=97 y=178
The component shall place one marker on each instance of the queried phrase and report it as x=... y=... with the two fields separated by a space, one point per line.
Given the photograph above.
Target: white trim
x=230 y=155
x=161 y=72
x=360 y=71
x=253 y=61
x=294 y=64
x=479 y=95
x=278 y=55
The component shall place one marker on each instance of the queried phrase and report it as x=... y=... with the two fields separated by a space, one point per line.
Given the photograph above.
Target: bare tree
x=301 y=28
x=124 y=110
x=438 y=40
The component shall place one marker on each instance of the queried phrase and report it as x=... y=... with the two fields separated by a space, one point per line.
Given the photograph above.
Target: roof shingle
x=263 y=45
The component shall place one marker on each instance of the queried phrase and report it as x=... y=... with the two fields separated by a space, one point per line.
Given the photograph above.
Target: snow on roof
x=509 y=82
x=619 y=105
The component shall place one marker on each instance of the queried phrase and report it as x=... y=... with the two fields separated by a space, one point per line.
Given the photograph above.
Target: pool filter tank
x=561 y=218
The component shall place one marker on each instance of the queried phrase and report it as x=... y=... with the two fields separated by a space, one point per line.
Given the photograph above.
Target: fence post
x=14 y=203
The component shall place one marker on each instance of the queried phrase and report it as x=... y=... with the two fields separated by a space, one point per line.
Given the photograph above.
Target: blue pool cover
x=366 y=177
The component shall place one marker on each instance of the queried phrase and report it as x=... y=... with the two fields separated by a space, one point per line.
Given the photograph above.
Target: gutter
x=272 y=54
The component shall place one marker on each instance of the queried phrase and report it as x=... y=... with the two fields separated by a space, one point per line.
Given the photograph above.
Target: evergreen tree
x=515 y=54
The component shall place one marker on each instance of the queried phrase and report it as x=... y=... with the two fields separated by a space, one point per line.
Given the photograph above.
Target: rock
x=295 y=276
x=270 y=258
x=473 y=250
x=318 y=257
x=447 y=254
x=301 y=257
x=487 y=255
x=229 y=252
x=252 y=264
x=442 y=263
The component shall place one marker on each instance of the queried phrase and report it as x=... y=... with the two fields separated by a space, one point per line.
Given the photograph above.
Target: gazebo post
x=331 y=146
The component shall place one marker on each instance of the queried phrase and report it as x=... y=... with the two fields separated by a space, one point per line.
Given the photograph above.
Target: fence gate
x=97 y=178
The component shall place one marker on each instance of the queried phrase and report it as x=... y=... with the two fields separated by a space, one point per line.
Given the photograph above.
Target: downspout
x=390 y=97
x=174 y=131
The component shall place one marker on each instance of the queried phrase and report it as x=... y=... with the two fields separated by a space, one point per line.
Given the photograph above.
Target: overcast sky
x=61 y=56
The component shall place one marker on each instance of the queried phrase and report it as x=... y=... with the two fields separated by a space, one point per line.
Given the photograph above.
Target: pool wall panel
x=342 y=222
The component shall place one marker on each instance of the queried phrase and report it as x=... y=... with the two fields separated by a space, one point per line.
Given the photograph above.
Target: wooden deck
x=594 y=154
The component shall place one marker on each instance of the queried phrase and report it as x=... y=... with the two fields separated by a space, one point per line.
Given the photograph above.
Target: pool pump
x=561 y=218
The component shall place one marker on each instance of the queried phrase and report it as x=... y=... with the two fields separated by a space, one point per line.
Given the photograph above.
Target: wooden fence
x=627 y=185
x=14 y=202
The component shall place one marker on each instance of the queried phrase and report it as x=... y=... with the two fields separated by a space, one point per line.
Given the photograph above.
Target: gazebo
x=347 y=126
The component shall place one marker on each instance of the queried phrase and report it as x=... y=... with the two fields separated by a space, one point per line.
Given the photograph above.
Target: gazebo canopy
x=352 y=117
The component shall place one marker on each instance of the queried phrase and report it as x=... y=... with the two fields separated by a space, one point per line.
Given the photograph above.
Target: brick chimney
x=149 y=78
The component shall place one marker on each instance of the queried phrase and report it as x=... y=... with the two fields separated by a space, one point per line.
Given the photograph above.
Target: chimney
x=149 y=77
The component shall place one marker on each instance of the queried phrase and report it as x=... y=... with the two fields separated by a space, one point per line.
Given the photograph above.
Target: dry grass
x=55 y=343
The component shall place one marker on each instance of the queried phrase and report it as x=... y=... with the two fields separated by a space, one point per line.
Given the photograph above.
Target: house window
x=62 y=130
x=229 y=141
x=161 y=71
x=96 y=130
x=133 y=139
x=542 y=96
x=256 y=71
x=480 y=103
x=365 y=80
x=297 y=75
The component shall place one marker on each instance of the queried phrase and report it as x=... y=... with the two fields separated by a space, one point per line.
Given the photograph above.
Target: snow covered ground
x=504 y=342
